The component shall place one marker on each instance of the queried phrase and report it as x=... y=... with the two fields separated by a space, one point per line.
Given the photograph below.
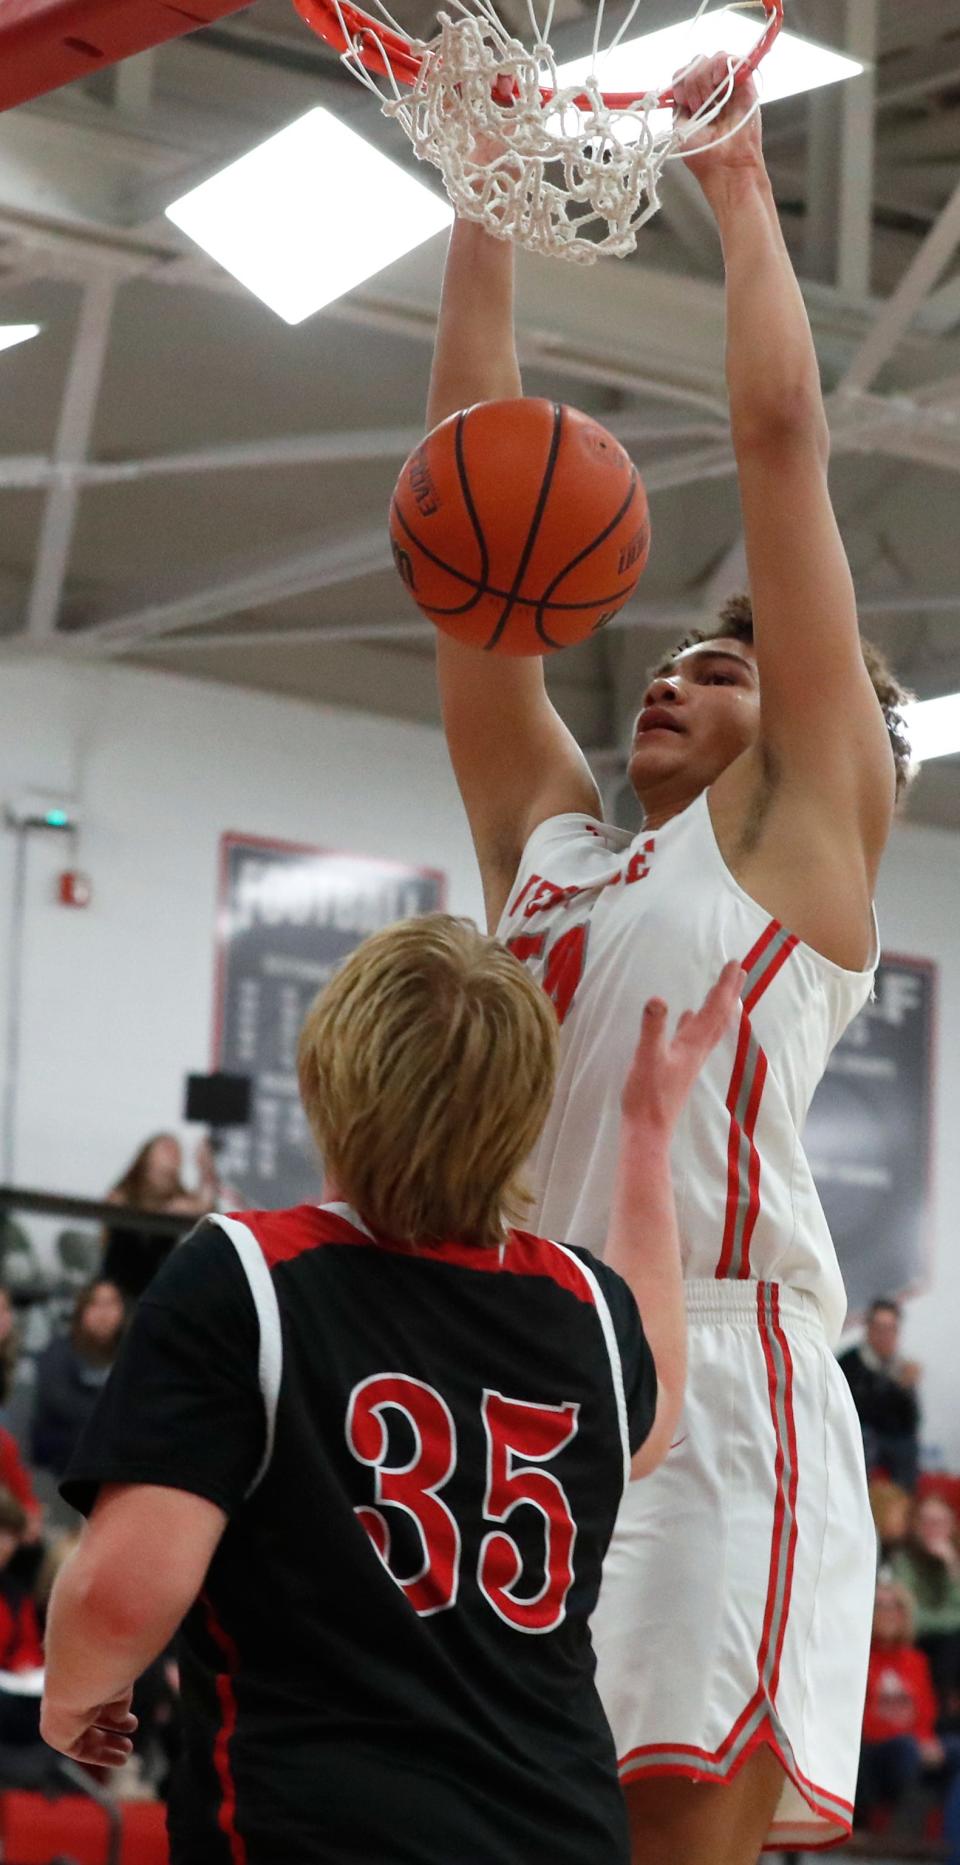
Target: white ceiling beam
x=941 y=313
x=320 y=634
x=35 y=471
x=329 y=449
x=942 y=393
x=636 y=616
x=275 y=578
x=335 y=634
x=77 y=411
x=858 y=136
x=895 y=319
x=923 y=450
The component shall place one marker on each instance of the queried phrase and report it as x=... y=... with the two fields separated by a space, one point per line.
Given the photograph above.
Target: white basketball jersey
x=606 y=920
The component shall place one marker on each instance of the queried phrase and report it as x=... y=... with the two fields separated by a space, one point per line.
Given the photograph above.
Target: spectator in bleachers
x=884 y=1389
x=929 y=1566
x=15 y=1477
x=9 y=1345
x=72 y=1372
x=901 y=1744
x=154 y=1182
x=20 y=1645
x=892 y=1508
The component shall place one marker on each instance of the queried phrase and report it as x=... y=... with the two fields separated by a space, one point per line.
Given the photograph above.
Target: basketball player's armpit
x=475 y=355
x=515 y=761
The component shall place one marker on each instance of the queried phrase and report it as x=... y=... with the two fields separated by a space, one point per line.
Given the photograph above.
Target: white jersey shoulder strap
x=270 y=1357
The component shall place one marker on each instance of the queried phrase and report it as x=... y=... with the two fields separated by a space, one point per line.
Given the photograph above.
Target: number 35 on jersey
x=521 y=1438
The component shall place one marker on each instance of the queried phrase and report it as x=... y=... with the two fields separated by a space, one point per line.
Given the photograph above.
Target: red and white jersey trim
x=263 y=1239
x=748 y=1079
x=613 y=1351
x=270 y=1354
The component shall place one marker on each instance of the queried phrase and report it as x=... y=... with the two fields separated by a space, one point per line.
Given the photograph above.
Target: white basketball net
x=575 y=183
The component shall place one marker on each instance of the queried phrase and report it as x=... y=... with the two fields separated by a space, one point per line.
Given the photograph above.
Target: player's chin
x=657 y=751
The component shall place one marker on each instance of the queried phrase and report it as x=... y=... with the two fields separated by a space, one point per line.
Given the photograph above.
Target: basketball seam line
x=535 y=524
x=479 y=589
x=585 y=552
x=490 y=589
x=467 y=496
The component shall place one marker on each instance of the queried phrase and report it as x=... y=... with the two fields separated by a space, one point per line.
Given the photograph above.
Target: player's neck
x=661 y=803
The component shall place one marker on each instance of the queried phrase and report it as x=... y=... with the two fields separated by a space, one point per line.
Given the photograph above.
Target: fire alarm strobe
x=74 y=889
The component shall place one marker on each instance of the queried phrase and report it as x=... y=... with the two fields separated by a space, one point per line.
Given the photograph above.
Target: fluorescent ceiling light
x=792 y=64
x=16 y=333
x=309 y=214
x=933 y=727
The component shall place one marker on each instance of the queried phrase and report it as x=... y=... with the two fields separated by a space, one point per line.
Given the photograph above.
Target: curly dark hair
x=735 y=623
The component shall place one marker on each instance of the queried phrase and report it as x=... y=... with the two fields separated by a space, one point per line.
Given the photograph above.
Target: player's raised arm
x=514 y=759
x=822 y=729
x=643 y=1241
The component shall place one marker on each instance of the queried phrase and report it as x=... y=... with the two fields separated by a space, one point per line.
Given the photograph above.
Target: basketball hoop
x=579 y=167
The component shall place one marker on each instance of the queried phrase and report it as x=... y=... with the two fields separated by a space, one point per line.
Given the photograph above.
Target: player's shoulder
x=576 y=831
x=296 y=1232
x=568 y=1265
x=562 y=854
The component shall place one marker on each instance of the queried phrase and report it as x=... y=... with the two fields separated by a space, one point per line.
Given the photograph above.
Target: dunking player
x=734 y=1620
x=373 y=1450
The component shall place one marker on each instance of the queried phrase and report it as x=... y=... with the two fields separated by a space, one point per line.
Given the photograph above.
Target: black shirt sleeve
x=636 y=1359
x=182 y=1407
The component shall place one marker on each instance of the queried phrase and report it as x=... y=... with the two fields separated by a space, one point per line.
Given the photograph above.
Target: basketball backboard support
x=47 y=43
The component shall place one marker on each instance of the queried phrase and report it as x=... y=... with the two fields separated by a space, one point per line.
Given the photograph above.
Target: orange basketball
x=520 y=526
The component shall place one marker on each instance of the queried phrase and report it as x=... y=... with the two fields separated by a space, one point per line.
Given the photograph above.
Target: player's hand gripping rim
x=665 y=1068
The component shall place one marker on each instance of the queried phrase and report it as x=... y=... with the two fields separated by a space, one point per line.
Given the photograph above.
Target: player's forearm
x=773 y=376
x=103 y=1630
x=475 y=355
x=643 y=1246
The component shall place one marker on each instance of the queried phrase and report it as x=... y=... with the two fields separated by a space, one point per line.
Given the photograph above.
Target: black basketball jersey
x=421 y=1452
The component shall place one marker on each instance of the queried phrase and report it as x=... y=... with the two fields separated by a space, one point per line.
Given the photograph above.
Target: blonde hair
x=426 y=1070
x=888 y=1499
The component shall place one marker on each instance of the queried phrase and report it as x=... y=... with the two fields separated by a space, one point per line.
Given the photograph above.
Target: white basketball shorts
x=737 y=1595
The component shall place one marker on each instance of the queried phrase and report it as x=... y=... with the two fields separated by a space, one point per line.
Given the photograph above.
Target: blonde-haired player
x=734 y=1621
x=373 y=1450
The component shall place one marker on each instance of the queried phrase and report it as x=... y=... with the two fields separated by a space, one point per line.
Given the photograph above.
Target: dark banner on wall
x=868 y=1136
x=287 y=917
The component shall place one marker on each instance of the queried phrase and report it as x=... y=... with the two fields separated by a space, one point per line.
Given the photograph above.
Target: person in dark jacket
x=72 y=1372
x=884 y=1390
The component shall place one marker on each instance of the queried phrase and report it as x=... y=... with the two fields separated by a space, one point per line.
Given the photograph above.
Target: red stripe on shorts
x=794 y=1481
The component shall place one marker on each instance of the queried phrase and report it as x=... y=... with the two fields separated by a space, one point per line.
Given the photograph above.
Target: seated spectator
x=72 y=1372
x=9 y=1345
x=929 y=1566
x=892 y=1508
x=20 y=1646
x=884 y=1389
x=153 y=1182
x=901 y=1746
x=15 y=1477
